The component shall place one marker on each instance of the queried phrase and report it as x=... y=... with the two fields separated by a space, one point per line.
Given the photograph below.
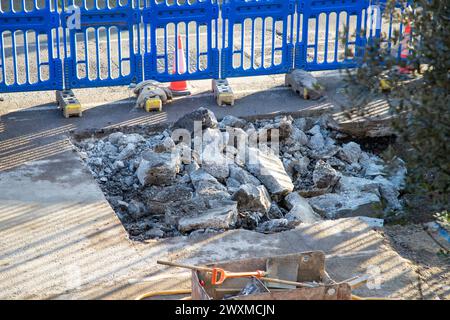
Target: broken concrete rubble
x=269 y=169
x=157 y=199
x=274 y=225
x=207 y=186
x=238 y=174
x=295 y=166
x=372 y=165
x=297 y=137
x=237 y=137
x=350 y=152
x=154 y=233
x=242 y=176
x=356 y=184
x=252 y=198
x=396 y=173
x=339 y=205
x=222 y=217
x=212 y=158
x=300 y=123
x=300 y=210
x=317 y=142
x=205 y=117
x=285 y=128
x=232 y=121
x=389 y=193
x=115 y=137
x=158 y=168
x=232 y=185
x=188 y=208
x=324 y=176
x=136 y=209
x=166 y=145
x=127 y=152
x=275 y=211
x=214 y=140
x=132 y=138
x=216 y=166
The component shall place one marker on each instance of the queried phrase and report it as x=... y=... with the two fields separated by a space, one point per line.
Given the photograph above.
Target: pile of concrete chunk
x=201 y=175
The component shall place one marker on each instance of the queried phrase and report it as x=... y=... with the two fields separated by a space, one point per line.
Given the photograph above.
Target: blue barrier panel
x=181 y=40
x=257 y=37
x=330 y=34
x=103 y=49
x=387 y=25
x=29 y=46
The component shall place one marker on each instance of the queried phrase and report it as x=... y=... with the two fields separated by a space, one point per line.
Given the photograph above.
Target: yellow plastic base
x=68 y=103
x=153 y=104
x=72 y=109
x=225 y=98
x=385 y=85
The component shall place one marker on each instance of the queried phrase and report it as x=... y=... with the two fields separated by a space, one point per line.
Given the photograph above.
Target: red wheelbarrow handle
x=219 y=275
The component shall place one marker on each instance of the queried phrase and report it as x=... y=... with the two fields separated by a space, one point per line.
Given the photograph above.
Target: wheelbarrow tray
x=311 y=268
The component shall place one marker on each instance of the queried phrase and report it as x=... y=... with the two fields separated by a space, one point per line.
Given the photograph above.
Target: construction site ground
x=60 y=239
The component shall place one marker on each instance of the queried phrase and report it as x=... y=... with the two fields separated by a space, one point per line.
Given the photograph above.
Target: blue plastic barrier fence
x=103 y=48
x=29 y=46
x=256 y=37
x=385 y=23
x=330 y=34
x=180 y=41
x=56 y=44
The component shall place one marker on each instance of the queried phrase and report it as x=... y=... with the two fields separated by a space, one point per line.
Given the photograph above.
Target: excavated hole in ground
x=318 y=173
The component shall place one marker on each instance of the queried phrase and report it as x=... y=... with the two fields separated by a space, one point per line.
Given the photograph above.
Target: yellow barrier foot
x=153 y=104
x=222 y=92
x=69 y=105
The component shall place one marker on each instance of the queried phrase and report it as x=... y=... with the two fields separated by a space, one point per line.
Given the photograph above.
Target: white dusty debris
x=268 y=168
x=268 y=175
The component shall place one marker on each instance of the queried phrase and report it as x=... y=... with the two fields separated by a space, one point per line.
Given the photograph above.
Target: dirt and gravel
x=430 y=260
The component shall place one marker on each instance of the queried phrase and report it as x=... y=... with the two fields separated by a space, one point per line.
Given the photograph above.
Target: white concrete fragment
x=127 y=152
x=273 y=225
x=350 y=152
x=349 y=184
x=131 y=138
x=165 y=145
x=115 y=137
x=158 y=168
x=300 y=210
x=337 y=205
x=222 y=217
x=269 y=169
x=324 y=176
x=207 y=186
x=252 y=198
x=242 y=176
x=317 y=142
x=232 y=121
